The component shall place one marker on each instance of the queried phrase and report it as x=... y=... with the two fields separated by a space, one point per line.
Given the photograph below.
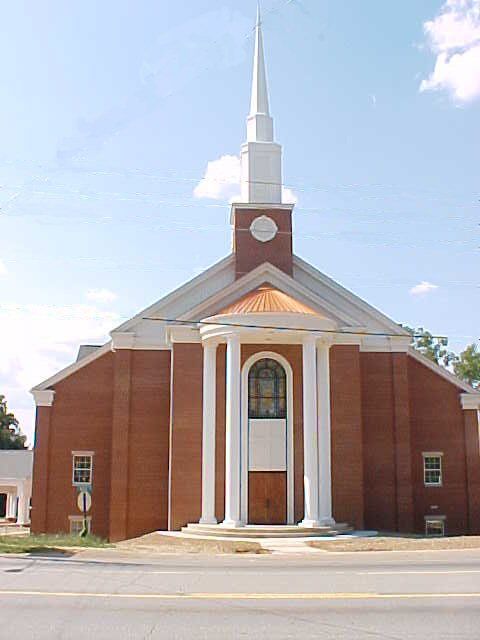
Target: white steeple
x=261 y=156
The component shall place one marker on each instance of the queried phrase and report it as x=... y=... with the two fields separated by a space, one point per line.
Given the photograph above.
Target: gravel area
x=397 y=543
x=159 y=543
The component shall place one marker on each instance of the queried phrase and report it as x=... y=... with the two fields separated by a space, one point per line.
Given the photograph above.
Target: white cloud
x=103 y=296
x=422 y=288
x=3 y=268
x=454 y=37
x=288 y=196
x=222 y=181
x=38 y=340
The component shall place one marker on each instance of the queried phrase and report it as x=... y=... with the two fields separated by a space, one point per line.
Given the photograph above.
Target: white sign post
x=84 y=503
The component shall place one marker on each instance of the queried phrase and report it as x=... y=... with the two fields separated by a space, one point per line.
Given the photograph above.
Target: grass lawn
x=40 y=543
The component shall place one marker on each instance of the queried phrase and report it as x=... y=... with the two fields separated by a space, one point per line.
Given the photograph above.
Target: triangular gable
x=344 y=300
x=329 y=302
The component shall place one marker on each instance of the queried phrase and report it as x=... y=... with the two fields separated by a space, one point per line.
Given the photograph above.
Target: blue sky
x=111 y=111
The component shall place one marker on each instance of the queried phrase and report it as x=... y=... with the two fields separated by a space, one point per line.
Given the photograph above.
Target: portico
x=16 y=484
x=259 y=441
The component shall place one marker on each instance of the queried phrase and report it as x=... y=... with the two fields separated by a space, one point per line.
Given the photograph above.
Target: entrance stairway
x=263 y=531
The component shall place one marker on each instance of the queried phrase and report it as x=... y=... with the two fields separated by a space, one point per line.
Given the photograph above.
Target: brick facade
x=141 y=414
x=250 y=253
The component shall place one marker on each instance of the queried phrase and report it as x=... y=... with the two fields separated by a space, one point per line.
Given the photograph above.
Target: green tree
x=467 y=365
x=434 y=348
x=10 y=434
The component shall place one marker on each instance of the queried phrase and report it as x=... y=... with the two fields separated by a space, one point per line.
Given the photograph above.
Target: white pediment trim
x=344 y=299
x=266 y=272
x=224 y=269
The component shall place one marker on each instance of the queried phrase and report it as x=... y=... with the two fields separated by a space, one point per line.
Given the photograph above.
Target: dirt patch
x=397 y=543
x=158 y=543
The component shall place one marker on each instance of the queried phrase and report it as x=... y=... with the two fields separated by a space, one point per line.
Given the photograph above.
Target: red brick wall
x=403 y=443
x=437 y=423
x=249 y=253
x=378 y=441
x=386 y=410
x=41 y=459
x=186 y=435
x=387 y=442
x=81 y=419
x=148 y=442
x=120 y=439
x=347 y=446
x=473 y=469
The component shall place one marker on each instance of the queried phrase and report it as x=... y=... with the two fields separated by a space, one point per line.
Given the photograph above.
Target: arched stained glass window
x=267 y=390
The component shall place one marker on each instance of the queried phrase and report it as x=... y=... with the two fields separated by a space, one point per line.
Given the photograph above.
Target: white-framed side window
x=432 y=469
x=82 y=467
x=76 y=524
x=434 y=526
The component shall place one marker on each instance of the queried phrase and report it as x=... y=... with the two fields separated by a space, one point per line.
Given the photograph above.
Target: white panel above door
x=267 y=444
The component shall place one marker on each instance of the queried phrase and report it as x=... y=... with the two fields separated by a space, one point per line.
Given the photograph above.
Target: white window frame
x=79 y=520
x=436 y=520
x=432 y=454
x=84 y=454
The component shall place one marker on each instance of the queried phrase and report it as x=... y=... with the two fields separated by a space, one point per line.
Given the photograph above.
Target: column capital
x=309 y=338
x=210 y=343
x=43 y=397
x=325 y=341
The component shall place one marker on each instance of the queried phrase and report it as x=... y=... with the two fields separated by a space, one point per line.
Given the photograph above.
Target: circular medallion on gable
x=263 y=229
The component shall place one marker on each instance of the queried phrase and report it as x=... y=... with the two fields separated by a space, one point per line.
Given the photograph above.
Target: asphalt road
x=356 y=596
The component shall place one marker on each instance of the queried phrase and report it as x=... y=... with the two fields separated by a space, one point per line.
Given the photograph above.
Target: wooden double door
x=267 y=497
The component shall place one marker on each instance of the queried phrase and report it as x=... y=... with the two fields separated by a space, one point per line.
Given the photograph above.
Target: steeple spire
x=259 y=122
x=259 y=101
x=261 y=156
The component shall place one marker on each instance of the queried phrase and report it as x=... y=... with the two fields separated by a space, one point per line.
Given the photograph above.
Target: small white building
x=16 y=485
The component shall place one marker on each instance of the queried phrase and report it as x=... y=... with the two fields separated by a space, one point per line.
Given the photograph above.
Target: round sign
x=84 y=501
x=263 y=229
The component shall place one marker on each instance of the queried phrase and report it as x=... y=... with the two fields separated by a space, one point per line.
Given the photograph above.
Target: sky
x=120 y=128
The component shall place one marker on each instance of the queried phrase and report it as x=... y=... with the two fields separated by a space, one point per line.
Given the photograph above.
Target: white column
x=232 y=434
x=310 y=443
x=23 y=516
x=10 y=512
x=208 y=433
x=324 y=437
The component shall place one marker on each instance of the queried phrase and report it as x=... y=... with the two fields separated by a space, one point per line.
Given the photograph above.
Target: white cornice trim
x=76 y=366
x=265 y=272
x=177 y=293
x=43 y=398
x=353 y=299
x=470 y=401
x=181 y=334
x=382 y=344
x=444 y=373
x=122 y=340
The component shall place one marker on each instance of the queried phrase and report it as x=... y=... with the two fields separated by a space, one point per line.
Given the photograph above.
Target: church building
x=259 y=393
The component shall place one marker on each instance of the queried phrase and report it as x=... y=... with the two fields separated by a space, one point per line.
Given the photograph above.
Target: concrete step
x=263 y=531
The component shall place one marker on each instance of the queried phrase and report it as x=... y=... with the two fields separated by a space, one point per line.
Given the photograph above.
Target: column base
x=327 y=522
x=309 y=524
x=211 y=520
x=232 y=523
